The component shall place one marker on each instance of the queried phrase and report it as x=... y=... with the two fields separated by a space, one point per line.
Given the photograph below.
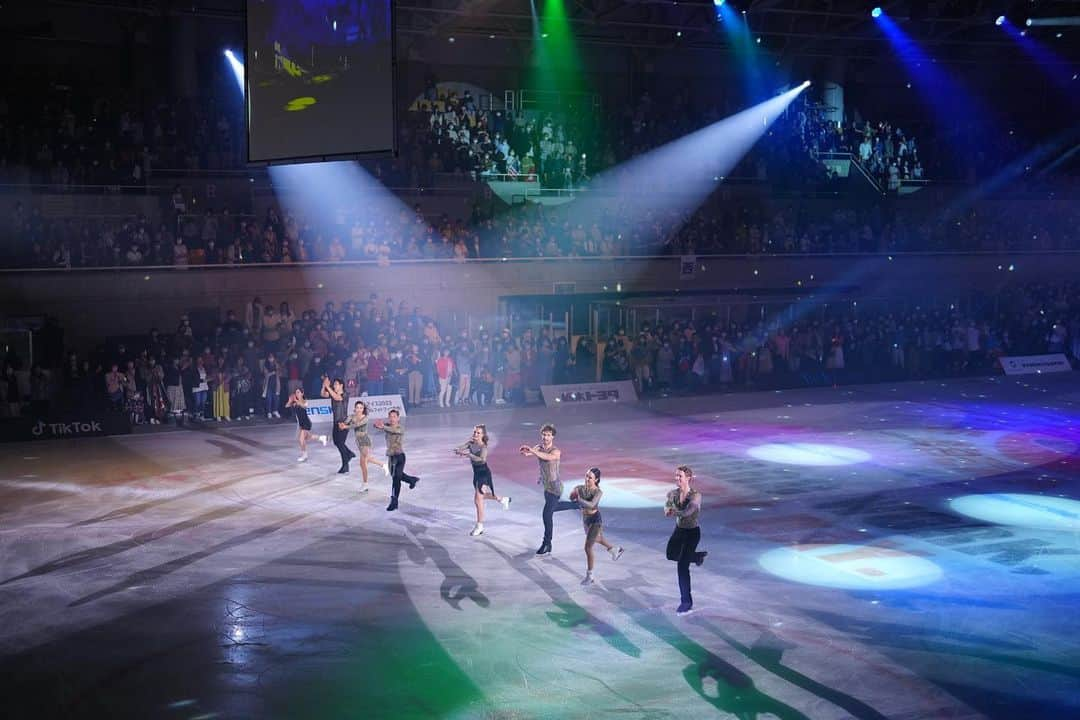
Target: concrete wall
x=92 y=304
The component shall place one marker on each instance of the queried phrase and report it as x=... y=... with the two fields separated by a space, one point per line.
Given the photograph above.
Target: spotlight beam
x=943 y=94
x=320 y=190
x=1054 y=65
x=1053 y=21
x=237 y=68
x=678 y=176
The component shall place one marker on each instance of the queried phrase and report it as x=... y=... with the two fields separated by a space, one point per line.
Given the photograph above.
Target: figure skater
x=299 y=407
x=339 y=405
x=588 y=497
x=358 y=422
x=476 y=449
x=395 y=454
x=684 y=504
x=548 y=456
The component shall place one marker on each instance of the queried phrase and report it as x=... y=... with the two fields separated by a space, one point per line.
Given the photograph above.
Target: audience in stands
x=1041 y=220
x=533 y=145
x=52 y=134
x=72 y=139
x=245 y=365
x=886 y=153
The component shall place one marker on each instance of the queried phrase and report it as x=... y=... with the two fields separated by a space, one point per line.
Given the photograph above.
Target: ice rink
x=892 y=551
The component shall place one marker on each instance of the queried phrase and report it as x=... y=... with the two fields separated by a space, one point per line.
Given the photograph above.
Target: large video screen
x=320 y=78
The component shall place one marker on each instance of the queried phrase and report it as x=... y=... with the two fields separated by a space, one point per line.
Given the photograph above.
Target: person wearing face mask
x=174 y=390
x=213 y=253
x=665 y=365
x=293 y=373
x=414 y=367
x=180 y=253
x=314 y=377
x=395 y=382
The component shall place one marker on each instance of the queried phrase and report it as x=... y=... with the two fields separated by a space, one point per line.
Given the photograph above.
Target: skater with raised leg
x=588 y=496
x=684 y=504
x=476 y=449
x=298 y=404
x=395 y=455
x=548 y=457
x=358 y=421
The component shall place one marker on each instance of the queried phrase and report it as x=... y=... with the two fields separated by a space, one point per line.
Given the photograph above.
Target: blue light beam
x=237 y=68
x=947 y=99
x=1055 y=66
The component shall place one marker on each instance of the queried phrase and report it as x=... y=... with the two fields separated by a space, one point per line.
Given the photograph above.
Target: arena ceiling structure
x=957 y=30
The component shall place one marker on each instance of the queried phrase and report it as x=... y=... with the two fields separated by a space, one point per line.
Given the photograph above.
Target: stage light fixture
x=1028 y=22
x=875 y=13
x=1000 y=20
x=718 y=3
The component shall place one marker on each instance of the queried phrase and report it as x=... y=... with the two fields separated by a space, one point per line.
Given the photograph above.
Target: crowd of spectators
x=886 y=153
x=54 y=134
x=1039 y=220
x=246 y=365
x=76 y=139
x=850 y=342
x=454 y=135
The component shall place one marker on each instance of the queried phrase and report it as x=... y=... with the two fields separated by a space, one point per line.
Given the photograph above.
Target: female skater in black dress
x=476 y=449
x=298 y=404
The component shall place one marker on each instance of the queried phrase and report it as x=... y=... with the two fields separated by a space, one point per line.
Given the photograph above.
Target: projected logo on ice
x=853 y=567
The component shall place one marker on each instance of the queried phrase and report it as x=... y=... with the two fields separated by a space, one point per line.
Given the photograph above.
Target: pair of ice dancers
x=358 y=422
x=583 y=497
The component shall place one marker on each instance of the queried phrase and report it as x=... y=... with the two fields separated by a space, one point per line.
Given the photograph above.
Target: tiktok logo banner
x=63 y=428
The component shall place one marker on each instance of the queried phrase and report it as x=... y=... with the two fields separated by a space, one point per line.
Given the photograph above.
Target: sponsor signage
x=1035 y=364
x=589 y=393
x=378 y=406
x=63 y=427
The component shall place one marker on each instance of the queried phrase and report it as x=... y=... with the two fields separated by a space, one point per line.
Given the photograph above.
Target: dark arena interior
x=753 y=325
